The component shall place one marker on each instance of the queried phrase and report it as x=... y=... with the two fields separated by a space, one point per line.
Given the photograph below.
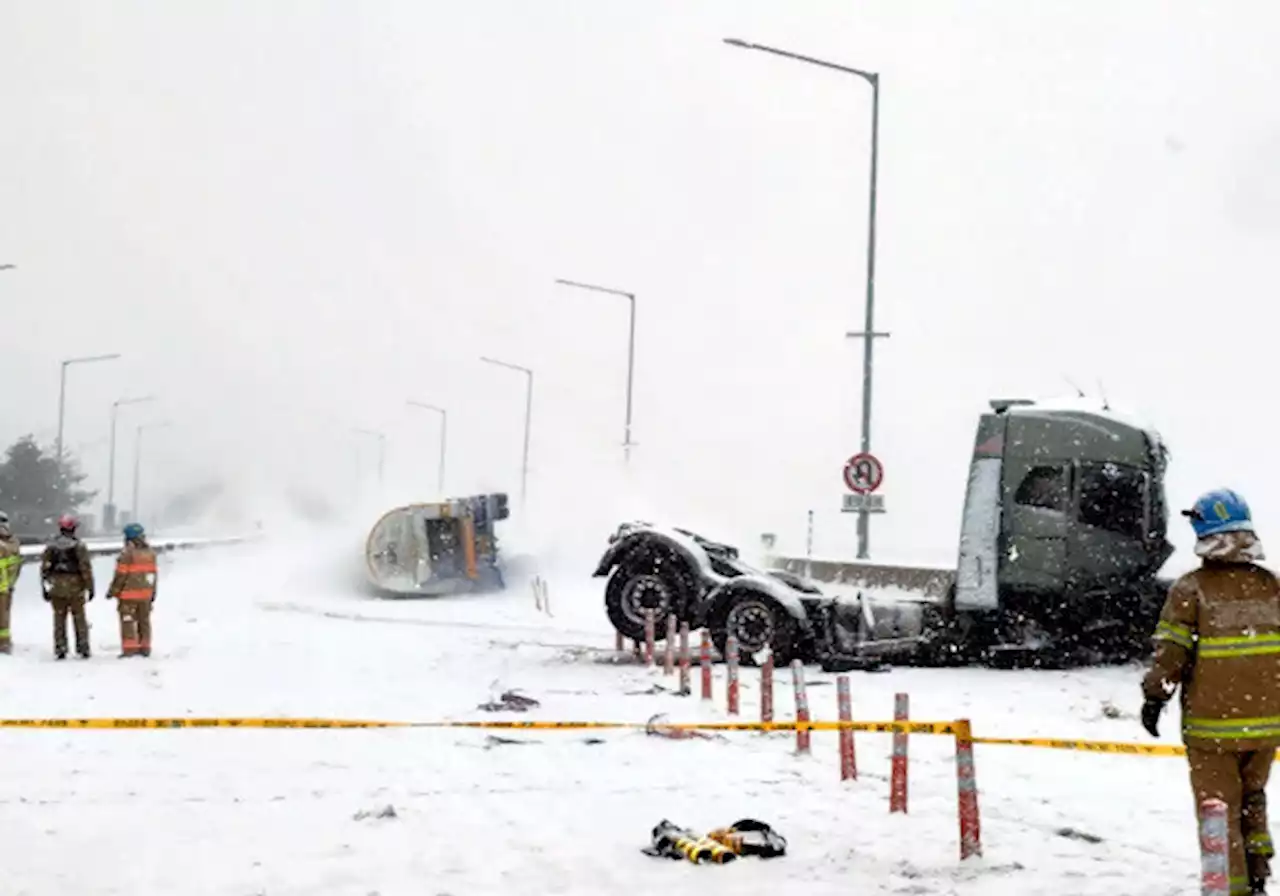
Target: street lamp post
x=444 y=438
x=137 y=465
x=868 y=334
x=62 y=391
x=528 y=416
x=631 y=351
x=109 y=512
x=382 y=448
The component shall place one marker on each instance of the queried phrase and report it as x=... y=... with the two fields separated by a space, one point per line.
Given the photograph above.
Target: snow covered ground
x=243 y=631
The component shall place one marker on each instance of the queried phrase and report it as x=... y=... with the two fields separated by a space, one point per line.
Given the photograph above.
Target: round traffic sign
x=863 y=473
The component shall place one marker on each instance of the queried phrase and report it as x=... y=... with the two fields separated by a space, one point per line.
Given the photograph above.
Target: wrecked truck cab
x=1063 y=533
x=437 y=548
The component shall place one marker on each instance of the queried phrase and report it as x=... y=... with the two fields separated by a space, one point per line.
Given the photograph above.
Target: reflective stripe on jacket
x=10 y=563
x=135 y=577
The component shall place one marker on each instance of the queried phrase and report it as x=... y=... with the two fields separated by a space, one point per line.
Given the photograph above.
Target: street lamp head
x=737 y=42
x=139 y=400
x=88 y=358
x=507 y=365
x=595 y=287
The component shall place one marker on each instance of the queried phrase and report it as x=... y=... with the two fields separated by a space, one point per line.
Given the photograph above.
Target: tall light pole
x=109 y=512
x=631 y=352
x=62 y=391
x=528 y=416
x=444 y=437
x=137 y=465
x=868 y=334
x=382 y=448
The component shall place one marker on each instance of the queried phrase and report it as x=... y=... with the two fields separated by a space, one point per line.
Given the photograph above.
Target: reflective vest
x=8 y=572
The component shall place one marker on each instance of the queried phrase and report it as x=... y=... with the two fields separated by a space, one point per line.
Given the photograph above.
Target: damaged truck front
x=1062 y=537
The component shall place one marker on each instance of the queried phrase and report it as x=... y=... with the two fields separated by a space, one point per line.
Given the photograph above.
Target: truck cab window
x=1111 y=498
x=1044 y=487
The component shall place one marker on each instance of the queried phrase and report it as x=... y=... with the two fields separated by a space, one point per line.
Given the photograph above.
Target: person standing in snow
x=134 y=588
x=1219 y=639
x=10 y=568
x=66 y=572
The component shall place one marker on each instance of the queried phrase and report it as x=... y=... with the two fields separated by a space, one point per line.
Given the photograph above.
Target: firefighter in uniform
x=10 y=567
x=66 y=573
x=134 y=588
x=1219 y=639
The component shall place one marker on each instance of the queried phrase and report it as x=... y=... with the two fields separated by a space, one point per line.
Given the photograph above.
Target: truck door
x=1038 y=526
x=1110 y=535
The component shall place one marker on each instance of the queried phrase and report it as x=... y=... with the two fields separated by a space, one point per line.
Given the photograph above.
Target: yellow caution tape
x=1088 y=746
x=943 y=728
x=532 y=724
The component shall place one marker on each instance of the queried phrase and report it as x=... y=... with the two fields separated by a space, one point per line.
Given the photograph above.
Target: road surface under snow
x=247 y=632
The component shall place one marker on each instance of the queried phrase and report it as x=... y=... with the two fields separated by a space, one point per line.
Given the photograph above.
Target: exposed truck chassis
x=707 y=584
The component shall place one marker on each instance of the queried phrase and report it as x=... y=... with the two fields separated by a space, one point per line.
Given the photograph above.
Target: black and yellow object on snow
x=743 y=838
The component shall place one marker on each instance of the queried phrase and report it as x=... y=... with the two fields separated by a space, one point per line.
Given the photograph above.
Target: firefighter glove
x=1151 y=710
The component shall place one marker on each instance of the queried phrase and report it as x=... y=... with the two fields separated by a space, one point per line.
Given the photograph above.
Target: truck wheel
x=757 y=622
x=638 y=586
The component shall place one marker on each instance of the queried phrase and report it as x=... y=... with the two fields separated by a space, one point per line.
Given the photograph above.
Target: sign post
x=863 y=475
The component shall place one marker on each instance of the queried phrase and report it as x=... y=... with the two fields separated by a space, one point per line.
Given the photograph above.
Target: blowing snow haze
x=292 y=217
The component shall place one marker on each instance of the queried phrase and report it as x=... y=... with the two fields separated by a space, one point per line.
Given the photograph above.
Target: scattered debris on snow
x=655 y=728
x=652 y=690
x=1073 y=834
x=1111 y=711
x=510 y=701
x=387 y=811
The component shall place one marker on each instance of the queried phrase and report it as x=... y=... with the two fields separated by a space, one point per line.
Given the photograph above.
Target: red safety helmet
x=67 y=523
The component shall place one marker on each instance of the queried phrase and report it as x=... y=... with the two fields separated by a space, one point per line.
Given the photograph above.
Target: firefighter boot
x=1258 y=848
x=1259 y=870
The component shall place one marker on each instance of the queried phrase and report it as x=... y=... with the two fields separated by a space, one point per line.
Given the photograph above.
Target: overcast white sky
x=292 y=216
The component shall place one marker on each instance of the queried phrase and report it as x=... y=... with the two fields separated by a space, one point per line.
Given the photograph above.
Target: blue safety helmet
x=1221 y=510
x=134 y=531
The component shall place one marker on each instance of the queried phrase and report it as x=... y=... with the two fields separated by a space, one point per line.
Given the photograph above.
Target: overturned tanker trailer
x=1062 y=539
x=437 y=548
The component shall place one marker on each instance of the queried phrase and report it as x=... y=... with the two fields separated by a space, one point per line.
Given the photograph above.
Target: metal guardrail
x=110 y=547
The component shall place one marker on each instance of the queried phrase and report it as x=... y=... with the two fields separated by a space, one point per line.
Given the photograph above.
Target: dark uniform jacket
x=66 y=568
